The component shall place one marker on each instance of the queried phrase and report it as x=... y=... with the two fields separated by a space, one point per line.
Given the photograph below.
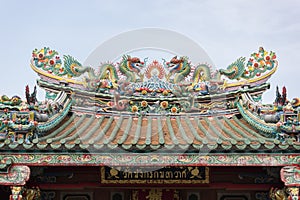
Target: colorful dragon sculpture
x=130 y=72
x=203 y=74
x=105 y=78
x=131 y=68
x=180 y=67
x=73 y=68
x=235 y=70
x=257 y=64
x=48 y=60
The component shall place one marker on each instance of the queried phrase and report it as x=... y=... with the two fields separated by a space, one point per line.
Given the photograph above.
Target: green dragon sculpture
x=48 y=60
x=130 y=67
x=235 y=70
x=180 y=67
x=257 y=64
x=73 y=68
x=106 y=77
x=203 y=73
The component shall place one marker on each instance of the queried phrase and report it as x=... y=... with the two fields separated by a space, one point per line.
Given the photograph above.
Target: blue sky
x=225 y=29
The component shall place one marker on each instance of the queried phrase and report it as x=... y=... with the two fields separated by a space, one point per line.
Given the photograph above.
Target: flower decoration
x=143 y=107
x=164 y=104
x=134 y=108
x=174 y=110
x=259 y=63
x=48 y=60
x=144 y=103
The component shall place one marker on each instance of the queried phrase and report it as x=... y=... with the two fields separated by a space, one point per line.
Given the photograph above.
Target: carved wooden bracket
x=290 y=175
x=16 y=175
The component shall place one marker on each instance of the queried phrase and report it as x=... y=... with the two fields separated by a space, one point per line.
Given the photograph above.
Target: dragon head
x=134 y=64
x=177 y=65
x=175 y=61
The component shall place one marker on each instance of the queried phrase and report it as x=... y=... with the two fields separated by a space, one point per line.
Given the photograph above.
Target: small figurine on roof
x=288 y=107
x=14 y=101
x=31 y=98
x=202 y=87
x=281 y=99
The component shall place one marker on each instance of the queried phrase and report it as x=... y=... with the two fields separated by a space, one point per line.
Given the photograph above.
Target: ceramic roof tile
x=151 y=132
x=173 y=112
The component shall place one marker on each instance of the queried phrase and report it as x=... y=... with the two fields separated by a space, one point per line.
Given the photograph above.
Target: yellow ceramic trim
x=55 y=77
x=226 y=85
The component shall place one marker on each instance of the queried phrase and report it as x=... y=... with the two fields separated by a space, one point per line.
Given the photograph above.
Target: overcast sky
x=226 y=30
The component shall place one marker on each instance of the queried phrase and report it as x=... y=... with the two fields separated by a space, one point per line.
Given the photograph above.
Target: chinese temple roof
x=140 y=134
x=135 y=106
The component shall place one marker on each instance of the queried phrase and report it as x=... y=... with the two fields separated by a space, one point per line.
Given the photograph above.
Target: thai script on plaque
x=191 y=174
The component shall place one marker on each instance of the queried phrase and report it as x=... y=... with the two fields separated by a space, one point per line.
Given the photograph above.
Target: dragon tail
x=235 y=70
x=75 y=68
